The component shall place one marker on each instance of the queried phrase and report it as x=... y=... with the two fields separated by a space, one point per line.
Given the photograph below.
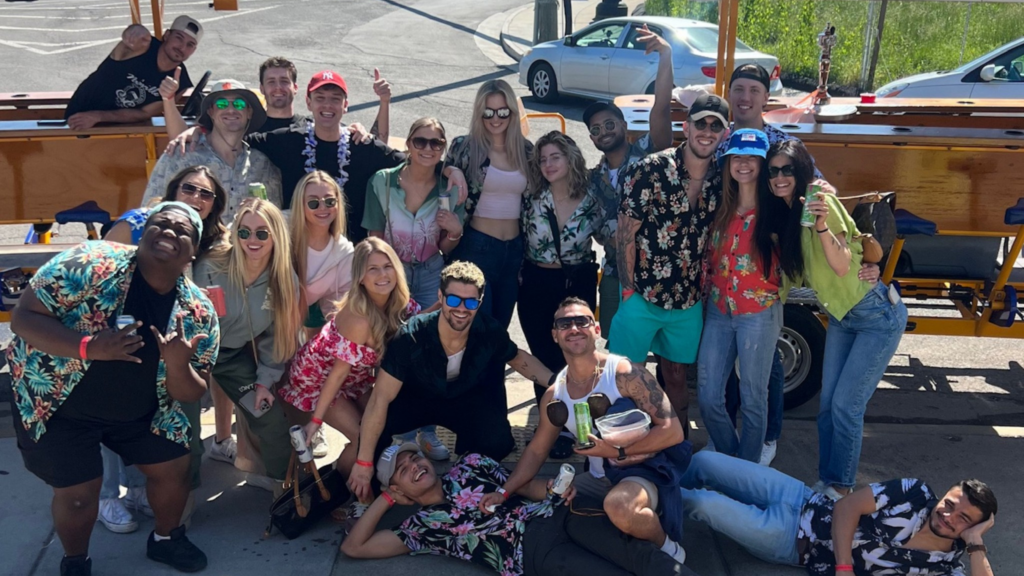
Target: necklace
x=343 y=153
x=590 y=383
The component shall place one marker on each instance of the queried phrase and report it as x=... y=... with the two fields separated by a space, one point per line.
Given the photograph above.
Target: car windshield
x=706 y=40
x=986 y=58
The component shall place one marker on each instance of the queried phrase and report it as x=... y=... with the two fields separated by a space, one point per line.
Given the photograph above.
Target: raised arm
x=135 y=41
x=381 y=124
x=661 y=111
x=833 y=242
x=173 y=121
x=384 y=392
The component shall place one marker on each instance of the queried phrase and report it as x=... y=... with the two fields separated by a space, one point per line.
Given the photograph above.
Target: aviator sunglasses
x=567 y=322
x=453 y=301
x=238 y=103
x=329 y=202
x=189 y=189
x=702 y=124
x=501 y=112
x=436 y=144
x=774 y=171
x=261 y=235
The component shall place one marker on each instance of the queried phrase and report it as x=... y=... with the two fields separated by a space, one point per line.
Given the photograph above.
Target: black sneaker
x=76 y=566
x=178 y=552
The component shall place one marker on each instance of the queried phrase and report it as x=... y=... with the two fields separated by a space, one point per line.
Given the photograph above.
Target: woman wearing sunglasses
x=866 y=319
x=744 y=313
x=494 y=158
x=259 y=331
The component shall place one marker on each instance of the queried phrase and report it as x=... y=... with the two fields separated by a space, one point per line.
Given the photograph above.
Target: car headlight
x=892 y=90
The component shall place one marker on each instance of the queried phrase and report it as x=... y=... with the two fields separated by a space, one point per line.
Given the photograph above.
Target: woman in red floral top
x=744 y=314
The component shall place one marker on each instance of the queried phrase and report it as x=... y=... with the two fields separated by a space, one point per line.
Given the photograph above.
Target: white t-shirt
x=613 y=177
x=455 y=365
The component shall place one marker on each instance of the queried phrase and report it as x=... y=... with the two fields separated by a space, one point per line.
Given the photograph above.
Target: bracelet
x=456 y=239
x=82 y=345
x=627 y=293
x=972 y=548
x=364 y=464
x=844 y=567
x=821 y=231
x=387 y=497
x=504 y=493
x=316 y=421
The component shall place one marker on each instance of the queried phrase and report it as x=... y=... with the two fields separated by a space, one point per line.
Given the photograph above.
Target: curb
x=507 y=46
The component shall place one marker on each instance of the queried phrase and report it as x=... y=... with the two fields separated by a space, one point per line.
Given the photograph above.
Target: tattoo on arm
x=625 y=250
x=641 y=386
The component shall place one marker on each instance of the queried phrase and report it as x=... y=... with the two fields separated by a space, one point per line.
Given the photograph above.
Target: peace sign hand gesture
x=175 y=350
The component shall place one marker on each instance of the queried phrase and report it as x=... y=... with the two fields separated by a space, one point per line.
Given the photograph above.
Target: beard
x=455 y=323
x=617 y=142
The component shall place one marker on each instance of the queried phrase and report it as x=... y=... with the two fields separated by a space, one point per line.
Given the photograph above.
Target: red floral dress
x=313 y=363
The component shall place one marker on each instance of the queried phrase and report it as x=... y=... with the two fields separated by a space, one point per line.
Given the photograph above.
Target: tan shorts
x=597 y=488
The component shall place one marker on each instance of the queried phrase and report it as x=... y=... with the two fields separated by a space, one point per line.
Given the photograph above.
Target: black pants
x=571 y=544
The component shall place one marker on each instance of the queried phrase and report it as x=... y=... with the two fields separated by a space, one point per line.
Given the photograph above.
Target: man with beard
x=435 y=371
x=897 y=527
x=668 y=206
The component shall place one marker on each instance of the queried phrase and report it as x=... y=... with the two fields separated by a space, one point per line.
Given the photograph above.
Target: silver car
x=604 y=60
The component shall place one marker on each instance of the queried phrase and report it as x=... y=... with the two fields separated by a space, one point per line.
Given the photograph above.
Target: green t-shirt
x=838 y=294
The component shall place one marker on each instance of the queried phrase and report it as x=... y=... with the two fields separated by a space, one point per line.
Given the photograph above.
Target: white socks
x=673 y=549
x=159 y=538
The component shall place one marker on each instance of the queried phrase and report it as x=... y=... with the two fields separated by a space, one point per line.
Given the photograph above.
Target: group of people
x=305 y=273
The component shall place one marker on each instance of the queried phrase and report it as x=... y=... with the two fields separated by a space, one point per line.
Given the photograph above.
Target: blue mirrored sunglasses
x=453 y=301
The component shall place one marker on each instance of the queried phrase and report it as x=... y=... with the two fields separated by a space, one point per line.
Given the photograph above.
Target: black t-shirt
x=115 y=391
x=132 y=83
x=277 y=123
x=285 y=149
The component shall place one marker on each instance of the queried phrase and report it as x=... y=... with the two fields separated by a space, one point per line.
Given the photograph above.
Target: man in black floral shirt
x=453 y=522
x=892 y=528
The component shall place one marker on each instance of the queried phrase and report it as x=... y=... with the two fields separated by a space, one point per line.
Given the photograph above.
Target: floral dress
x=315 y=359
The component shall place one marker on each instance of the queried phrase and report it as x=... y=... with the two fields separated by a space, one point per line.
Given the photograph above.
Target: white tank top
x=605 y=385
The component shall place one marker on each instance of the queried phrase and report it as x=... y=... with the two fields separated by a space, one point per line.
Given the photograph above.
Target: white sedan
x=998 y=74
x=604 y=60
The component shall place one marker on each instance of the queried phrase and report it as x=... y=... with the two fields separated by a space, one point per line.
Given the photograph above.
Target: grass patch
x=918 y=36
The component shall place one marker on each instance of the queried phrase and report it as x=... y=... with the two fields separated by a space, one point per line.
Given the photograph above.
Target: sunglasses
x=787 y=170
x=192 y=190
x=261 y=235
x=702 y=124
x=609 y=126
x=501 y=112
x=453 y=301
x=329 y=202
x=436 y=144
x=568 y=322
x=238 y=103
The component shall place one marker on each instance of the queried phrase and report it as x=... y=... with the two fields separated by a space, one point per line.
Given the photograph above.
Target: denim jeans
x=757 y=506
x=753 y=338
x=424 y=279
x=116 y=474
x=776 y=398
x=857 y=351
x=500 y=261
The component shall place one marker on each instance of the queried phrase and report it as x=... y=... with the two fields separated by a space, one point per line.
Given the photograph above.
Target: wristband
x=364 y=463
x=627 y=293
x=316 y=421
x=844 y=567
x=821 y=231
x=504 y=493
x=82 y=345
x=387 y=497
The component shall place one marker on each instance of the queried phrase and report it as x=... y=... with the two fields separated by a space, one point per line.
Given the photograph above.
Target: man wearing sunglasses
x=438 y=370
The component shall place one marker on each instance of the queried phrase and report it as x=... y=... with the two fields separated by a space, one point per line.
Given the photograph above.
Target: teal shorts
x=640 y=327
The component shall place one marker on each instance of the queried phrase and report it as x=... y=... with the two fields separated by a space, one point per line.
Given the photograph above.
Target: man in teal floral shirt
x=79 y=381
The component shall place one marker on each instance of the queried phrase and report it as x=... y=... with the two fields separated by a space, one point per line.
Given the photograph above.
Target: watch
x=622 y=454
x=972 y=548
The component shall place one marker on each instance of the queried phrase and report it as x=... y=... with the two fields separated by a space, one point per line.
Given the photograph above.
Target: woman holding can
x=866 y=320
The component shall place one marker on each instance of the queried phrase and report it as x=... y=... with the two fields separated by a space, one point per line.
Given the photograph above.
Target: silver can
x=298 y=436
x=444 y=201
x=125 y=320
x=566 y=474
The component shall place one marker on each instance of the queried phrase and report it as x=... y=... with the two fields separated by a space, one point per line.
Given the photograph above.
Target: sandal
x=562 y=448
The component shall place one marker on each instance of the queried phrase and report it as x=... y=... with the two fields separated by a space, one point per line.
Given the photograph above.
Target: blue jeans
x=753 y=338
x=116 y=474
x=757 y=506
x=424 y=280
x=776 y=398
x=500 y=261
x=857 y=351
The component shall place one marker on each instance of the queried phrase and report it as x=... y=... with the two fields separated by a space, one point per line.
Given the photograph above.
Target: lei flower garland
x=343 y=153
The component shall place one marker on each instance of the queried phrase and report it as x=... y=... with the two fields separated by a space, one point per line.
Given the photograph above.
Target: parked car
x=998 y=74
x=604 y=60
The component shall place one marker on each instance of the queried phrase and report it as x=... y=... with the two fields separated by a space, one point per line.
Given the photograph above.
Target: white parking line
x=119 y=6
x=66 y=46
x=205 y=21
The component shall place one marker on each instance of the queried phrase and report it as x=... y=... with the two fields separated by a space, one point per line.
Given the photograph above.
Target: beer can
x=258 y=190
x=216 y=295
x=298 y=436
x=583 y=424
x=806 y=218
x=444 y=201
x=125 y=320
x=564 y=479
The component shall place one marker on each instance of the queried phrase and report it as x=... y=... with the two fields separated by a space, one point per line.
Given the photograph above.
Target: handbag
x=580 y=279
x=305 y=502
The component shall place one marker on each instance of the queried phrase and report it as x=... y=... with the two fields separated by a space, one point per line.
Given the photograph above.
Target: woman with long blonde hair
x=260 y=327
x=494 y=158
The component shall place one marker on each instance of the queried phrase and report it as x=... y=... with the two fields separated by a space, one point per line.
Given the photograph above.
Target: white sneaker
x=432 y=446
x=137 y=499
x=818 y=487
x=264 y=482
x=320 y=447
x=115 y=517
x=833 y=494
x=225 y=450
x=768 y=453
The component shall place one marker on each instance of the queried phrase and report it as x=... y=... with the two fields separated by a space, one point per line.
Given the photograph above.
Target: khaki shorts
x=597 y=488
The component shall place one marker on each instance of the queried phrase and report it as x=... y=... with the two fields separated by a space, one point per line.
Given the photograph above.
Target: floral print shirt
x=458 y=156
x=458 y=529
x=668 y=269
x=610 y=192
x=588 y=221
x=902 y=507
x=85 y=287
x=737 y=283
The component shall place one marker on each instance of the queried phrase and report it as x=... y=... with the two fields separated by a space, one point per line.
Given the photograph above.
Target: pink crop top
x=502 y=195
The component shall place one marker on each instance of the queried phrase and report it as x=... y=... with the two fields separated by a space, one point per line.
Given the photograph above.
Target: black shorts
x=68 y=453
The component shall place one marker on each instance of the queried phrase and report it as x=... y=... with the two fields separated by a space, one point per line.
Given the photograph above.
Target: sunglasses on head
x=787 y=170
x=578 y=322
x=453 y=301
x=609 y=126
x=189 y=189
x=329 y=201
x=702 y=124
x=501 y=112
x=436 y=144
x=238 y=103
x=261 y=235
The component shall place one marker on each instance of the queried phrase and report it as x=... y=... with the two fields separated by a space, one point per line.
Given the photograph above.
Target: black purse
x=580 y=279
x=305 y=502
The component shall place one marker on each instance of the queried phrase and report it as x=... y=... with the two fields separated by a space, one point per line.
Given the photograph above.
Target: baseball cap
x=709 y=105
x=221 y=88
x=388 y=461
x=752 y=71
x=326 y=78
x=747 y=142
x=189 y=26
x=598 y=107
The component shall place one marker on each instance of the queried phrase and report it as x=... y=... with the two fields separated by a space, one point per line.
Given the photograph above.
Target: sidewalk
x=517 y=31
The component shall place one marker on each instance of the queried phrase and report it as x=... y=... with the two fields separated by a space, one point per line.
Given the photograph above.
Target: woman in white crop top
x=494 y=158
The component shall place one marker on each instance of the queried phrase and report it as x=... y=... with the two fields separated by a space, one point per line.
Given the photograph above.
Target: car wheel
x=802 y=344
x=542 y=83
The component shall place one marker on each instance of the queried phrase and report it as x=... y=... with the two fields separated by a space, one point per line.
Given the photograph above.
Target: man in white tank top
x=632 y=504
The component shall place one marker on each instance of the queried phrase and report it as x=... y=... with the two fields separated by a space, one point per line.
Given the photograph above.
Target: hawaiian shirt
x=774 y=137
x=459 y=156
x=668 y=270
x=902 y=507
x=737 y=282
x=458 y=529
x=589 y=220
x=611 y=192
x=85 y=287
x=251 y=166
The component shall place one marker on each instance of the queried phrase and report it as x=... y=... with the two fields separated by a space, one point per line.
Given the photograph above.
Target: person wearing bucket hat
x=125 y=88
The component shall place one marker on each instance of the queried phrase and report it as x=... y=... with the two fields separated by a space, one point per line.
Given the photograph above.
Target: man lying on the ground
x=528 y=534
x=126 y=86
x=889 y=528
